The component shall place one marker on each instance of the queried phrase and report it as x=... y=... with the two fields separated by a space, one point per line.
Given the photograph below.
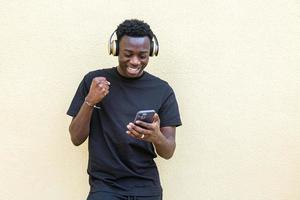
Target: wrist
x=90 y=104
x=159 y=139
x=89 y=100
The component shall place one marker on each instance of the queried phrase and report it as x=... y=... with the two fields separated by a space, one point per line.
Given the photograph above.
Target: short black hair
x=134 y=28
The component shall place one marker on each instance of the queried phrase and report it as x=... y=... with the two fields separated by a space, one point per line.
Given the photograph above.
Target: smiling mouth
x=133 y=70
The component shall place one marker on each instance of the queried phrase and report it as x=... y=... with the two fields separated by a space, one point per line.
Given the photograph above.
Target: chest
x=125 y=100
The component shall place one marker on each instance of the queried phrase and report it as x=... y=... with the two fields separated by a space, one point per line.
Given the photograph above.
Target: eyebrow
x=146 y=51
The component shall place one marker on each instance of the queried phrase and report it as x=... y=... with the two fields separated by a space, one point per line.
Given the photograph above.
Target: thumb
x=156 y=118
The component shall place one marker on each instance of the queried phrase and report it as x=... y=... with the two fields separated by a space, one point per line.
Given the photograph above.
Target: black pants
x=113 y=196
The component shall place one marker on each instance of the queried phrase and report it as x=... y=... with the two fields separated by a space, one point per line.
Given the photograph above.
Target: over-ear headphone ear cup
x=155 y=46
x=117 y=47
x=155 y=49
x=151 y=48
x=114 y=48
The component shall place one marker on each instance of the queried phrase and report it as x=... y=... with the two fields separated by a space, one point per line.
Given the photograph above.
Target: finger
x=104 y=82
x=130 y=134
x=139 y=137
x=139 y=129
x=99 y=79
x=133 y=131
x=144 y=124
x=156 y=118
x=101 y=90
x=101 y=85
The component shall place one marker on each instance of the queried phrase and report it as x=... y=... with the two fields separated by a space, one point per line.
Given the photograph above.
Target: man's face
x=133 y=55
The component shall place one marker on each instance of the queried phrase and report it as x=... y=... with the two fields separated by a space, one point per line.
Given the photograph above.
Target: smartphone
x=145 y=116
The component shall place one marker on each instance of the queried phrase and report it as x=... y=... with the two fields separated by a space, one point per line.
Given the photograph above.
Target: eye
x=143 y=56
x=127 y=55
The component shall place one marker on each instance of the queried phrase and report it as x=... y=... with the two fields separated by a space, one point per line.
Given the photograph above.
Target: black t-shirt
x=117 y=162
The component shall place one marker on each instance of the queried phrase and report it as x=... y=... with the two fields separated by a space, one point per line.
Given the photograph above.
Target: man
x=121 y=151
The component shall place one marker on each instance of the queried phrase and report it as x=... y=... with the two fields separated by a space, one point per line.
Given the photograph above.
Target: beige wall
x=235 y=67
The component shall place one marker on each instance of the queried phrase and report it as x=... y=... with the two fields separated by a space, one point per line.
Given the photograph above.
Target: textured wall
x=233 y=64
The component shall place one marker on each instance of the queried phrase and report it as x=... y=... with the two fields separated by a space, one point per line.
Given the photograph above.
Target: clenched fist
x=98 y=90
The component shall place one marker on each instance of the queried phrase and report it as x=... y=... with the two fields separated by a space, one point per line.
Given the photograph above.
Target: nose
x=135 y=61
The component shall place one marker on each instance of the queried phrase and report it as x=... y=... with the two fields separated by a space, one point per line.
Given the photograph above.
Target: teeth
x=133 y=69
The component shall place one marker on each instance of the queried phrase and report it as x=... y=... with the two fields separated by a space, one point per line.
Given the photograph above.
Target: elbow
x=74 y=139
x=75 y=142
x=168 y=153
x=167 y=157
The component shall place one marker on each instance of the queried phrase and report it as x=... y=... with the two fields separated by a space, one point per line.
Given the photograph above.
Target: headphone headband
x=113 y=46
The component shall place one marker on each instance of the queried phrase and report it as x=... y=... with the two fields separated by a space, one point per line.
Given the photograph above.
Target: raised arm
x=80 y=126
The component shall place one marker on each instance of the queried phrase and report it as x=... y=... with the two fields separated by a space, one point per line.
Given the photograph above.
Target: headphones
x=113 y=46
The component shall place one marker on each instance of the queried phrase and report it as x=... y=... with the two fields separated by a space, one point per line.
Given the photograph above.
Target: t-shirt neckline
x=126 y=78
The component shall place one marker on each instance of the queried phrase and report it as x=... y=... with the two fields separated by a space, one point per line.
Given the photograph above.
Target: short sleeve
x=79 y=97
x=169 y=112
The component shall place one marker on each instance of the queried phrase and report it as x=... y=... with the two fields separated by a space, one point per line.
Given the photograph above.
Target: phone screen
x=145 y=115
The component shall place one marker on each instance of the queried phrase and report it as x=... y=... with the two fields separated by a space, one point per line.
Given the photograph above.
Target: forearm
x=80 y=126
x=165 y=146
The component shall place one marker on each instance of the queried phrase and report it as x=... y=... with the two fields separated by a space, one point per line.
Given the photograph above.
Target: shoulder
x=158 y=82
x=99 y=72
x=96 y=73
x=156 y=79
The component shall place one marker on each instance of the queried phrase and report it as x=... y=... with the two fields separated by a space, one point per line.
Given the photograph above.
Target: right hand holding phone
x=98 y=90
x=146 y=131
